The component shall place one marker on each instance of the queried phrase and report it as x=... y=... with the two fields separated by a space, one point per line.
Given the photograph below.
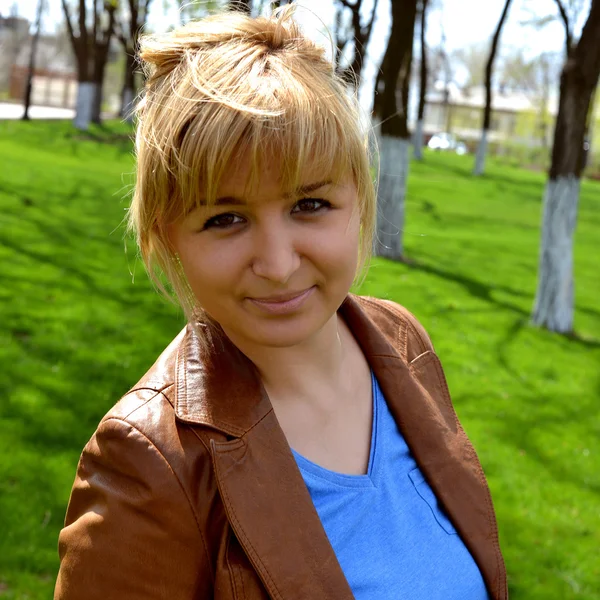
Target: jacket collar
x=263 y=492
x=218 y=387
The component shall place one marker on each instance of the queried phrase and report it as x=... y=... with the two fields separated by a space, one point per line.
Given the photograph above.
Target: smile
x=284 y=303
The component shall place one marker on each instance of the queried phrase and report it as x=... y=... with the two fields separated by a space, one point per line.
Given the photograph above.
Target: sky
x=465 y=22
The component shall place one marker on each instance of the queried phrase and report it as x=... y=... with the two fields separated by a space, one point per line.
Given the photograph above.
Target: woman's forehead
x=246 y=175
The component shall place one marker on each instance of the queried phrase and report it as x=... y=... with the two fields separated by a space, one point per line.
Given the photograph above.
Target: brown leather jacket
x=189 y=490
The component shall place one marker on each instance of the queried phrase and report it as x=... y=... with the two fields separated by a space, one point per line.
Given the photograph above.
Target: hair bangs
x=273 y=117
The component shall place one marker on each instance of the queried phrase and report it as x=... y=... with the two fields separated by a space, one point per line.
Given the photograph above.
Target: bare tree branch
x=83 y=33
x=489 y=68
x=423 y=65
x=362 y=35
x=95 y=23
x=108 y=32
x=370 y=25
x=69 y=24
x=145 y=10
x=565 y=18
x=120 y=32
x=133 y=18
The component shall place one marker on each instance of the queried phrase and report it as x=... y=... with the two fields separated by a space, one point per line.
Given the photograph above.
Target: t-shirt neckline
x=367 y=480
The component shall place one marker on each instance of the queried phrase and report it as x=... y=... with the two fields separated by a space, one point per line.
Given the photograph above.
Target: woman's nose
x=275 y=256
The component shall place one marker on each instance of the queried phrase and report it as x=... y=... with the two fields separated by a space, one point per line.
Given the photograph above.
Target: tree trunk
x=101 y=50
x=360 y=43
x=98 y=95
x=481 y=153
x=555 y=297
x=32 y=55
x=97 y=104
x=394 y=136
x=487 y=112
x=393 y=175
x=129 y=38
x=418 y=140
x=91 y=53
x=128 y=91
x=86 y=92
x=554 y=301
x=244 y=5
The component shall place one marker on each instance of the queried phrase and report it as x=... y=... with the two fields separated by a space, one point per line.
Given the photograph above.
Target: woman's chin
x=282 y=335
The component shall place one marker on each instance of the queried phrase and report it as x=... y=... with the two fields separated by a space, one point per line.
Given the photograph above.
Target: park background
x=80 y=323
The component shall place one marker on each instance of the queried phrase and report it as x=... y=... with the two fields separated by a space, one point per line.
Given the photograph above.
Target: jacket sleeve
x=130 y=532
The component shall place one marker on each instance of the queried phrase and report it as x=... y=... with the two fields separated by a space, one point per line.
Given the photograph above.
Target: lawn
x=79 y=324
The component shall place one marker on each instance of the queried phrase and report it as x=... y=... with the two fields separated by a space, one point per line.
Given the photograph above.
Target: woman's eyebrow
x=303 y=190
x=222 y=201
x=311 y=187
x=228 y=201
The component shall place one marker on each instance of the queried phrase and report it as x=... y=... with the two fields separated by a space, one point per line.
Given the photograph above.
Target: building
x=517 y=118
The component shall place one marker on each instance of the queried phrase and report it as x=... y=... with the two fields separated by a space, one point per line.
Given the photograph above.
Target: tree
x=128 y=33
x=196 y=9
x=422 y=9
x=104 y=37
x=569 y=12
x=441 y=67
x=554 y=299
x=472 y=58
x=342 y=34
x=14 y=38
x=271 y=4
x=244 y=5
x=535 y=77
x=90 y=47
x=487 y=111
x=32 y=53
x=360 y=38
x=394 y=140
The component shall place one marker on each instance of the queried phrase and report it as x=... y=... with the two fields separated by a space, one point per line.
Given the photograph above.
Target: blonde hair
x=229 y=85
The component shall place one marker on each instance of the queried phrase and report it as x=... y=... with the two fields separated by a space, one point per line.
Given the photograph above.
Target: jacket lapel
x=273 y=517
x=418 y=398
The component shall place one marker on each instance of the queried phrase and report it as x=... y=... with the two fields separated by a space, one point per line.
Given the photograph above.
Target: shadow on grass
x=473 y=286
x=483 y=291
x=79 y=333
x=62 y=137
x=527 y=413
x=534 y=189
x=482 y=220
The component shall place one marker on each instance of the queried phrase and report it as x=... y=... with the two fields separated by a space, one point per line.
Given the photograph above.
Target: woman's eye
x=310 y=205
x=223 y=221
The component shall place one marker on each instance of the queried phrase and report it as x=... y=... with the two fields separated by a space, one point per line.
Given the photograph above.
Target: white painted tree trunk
x=418 y=143
x=481 y=154
x=393 y=175
x=86 y=93
x=127 y=108
x=554 y=298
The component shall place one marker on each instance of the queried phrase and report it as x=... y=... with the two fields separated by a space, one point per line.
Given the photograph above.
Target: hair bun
x=161 y=53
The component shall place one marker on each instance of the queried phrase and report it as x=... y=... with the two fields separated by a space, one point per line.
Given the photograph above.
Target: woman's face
x=272 y=266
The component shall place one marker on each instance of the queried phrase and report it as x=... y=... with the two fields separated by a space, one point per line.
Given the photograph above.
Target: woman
x=294 y=441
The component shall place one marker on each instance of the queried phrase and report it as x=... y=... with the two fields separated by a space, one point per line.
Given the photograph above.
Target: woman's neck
x=319 y=362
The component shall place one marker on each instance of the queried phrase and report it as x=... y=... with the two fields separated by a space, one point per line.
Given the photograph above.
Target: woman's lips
x=279 y=305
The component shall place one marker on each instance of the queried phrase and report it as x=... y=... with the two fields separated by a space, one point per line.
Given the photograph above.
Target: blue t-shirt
x=390 y=535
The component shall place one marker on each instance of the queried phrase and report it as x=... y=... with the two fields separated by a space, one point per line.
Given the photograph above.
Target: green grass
x=79 y=324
